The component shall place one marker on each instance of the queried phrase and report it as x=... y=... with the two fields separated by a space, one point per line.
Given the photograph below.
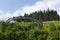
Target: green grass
x=48 y=24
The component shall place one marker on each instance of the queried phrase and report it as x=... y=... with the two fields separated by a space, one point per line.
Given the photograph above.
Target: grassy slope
x=48 y=24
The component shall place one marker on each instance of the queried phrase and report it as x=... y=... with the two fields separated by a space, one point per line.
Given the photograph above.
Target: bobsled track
x=26 y=19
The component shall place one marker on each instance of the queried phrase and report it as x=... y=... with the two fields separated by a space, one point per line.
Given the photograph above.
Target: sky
x=10 y=8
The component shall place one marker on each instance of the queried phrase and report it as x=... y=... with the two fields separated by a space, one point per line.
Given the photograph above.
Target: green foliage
x=52 y=29
x=27 y=31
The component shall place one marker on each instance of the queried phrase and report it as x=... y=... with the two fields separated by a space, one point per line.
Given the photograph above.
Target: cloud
x=44 y=4
x=59 y=13
x=5 y=15
x=38 y=5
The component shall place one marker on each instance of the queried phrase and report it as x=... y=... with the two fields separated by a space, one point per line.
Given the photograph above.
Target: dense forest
x=46 y=15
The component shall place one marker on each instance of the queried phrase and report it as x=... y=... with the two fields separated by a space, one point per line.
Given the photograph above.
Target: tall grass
x=27 y=31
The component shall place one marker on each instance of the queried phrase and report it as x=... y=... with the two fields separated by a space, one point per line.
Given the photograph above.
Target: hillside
x=41 y=25
x=30 y=31
x=51 y=24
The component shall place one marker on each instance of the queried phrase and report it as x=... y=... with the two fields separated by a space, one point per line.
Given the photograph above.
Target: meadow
x=51 y=25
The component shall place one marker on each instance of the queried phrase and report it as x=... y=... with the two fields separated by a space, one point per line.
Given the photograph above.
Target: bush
x=28 y=31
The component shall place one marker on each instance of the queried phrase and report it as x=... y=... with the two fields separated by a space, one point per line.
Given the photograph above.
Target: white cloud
x=39 y=5
x=27 y=9
x=59 y=13
x=5 y=15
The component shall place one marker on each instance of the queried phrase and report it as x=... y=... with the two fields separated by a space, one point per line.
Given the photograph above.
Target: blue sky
x=12 y=5
x=10 y=8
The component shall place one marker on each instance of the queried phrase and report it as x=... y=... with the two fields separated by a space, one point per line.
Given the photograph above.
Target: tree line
x=46 y=15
